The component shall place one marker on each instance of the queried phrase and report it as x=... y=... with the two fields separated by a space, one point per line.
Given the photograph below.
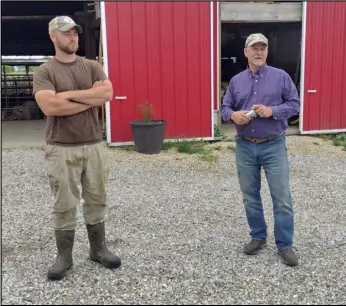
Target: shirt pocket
x=271 y=94
x=241 y=98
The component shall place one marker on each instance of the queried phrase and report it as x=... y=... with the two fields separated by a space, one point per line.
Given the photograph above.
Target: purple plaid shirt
x=271 y=87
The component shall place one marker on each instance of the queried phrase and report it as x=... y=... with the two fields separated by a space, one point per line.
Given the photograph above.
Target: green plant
x=168 y=145
x=217 y=131
x=191 y=147
x=340 y=140
x=337 y=139
x=147 y=111
x=196 y=147
x=128 y=148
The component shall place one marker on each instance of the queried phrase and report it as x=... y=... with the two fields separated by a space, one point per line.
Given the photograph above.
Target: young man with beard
x=69 y=89
x=261 y=142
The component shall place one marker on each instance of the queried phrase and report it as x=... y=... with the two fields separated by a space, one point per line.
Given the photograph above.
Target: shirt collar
x=260 y=72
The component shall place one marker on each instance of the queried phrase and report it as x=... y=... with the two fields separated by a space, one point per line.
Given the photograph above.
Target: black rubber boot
x=63 y=261
x=98 y=250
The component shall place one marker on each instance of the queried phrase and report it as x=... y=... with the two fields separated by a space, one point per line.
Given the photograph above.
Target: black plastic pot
x=148 y=137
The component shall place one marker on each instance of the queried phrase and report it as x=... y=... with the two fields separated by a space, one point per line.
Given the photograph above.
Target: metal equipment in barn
x=17 y=102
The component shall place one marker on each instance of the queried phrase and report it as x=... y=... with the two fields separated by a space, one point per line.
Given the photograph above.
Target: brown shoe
x=63 y=261
x=288 y=257
x=254 y=247
x=98 y=250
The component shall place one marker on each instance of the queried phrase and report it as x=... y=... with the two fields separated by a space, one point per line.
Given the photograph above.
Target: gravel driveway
x=179 y=226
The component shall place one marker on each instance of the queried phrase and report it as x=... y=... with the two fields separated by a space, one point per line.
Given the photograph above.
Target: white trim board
x=212 y=66
x=324 y=131
x=105 y=65
x=302 y=68
x=218 y=59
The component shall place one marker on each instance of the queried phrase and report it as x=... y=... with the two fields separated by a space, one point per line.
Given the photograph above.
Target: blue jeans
x=272 y=156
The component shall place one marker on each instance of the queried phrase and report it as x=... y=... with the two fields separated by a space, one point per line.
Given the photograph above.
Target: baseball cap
x=256 y=38
x=63 y=23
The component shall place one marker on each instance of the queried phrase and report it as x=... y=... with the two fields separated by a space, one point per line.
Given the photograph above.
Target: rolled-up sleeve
x=228 y=103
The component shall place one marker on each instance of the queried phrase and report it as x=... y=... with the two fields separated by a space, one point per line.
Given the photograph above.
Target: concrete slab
x=31 y=133
x=23 y=133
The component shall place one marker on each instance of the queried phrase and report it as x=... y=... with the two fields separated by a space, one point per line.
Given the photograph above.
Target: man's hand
x=240 y=117
x=263 y=111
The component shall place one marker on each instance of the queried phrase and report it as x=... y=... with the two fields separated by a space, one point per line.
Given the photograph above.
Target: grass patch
x=167 y=145
x=208 y=156
x=192 y=147
x=340 y=140
x=186 y=147
x=128 y=148
x=337 y=139
x=217 y=131
x=326 y=137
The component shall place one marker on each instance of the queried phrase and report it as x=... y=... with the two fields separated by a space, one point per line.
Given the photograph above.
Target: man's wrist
x=275 y=112
x=230 y=115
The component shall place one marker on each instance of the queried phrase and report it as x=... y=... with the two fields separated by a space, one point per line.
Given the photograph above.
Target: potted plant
x=148 y=134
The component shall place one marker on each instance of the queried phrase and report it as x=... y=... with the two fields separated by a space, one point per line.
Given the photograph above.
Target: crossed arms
x=75 y=101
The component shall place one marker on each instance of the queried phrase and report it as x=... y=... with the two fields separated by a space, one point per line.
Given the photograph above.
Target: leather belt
x=260 y=140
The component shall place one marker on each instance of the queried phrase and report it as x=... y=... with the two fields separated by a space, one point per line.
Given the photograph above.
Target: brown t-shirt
x=81 y=128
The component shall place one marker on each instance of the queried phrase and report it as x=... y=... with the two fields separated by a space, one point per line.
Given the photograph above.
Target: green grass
x=168 y=145
x=127 y=148
x=337 y=139
x=185 y=147
x=340 y=140
x=217 y=131
x=191 y=147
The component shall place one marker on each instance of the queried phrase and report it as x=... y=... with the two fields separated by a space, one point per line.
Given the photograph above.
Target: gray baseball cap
x=63 y=23
x=256 y=38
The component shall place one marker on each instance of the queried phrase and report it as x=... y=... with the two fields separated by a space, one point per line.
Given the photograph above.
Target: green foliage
x=217 y=131
x=337 y=139
x=340 y=140
x=191 y=147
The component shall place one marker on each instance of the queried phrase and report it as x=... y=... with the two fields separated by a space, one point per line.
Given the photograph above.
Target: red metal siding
x=325 y=66
x=160 y=52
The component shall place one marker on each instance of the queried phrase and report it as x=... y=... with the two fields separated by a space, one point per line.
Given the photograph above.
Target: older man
x=261 y=142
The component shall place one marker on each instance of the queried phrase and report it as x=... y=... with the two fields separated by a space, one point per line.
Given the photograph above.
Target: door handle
x=120 y=97
x=312 y=90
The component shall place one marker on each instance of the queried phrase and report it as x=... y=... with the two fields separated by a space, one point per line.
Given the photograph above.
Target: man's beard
x=69 y=49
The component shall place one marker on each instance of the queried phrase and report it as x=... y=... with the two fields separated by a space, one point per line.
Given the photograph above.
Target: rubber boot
x=63 y=261
x=98 y=250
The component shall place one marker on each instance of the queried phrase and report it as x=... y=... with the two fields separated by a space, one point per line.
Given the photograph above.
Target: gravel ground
x=179 y=226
